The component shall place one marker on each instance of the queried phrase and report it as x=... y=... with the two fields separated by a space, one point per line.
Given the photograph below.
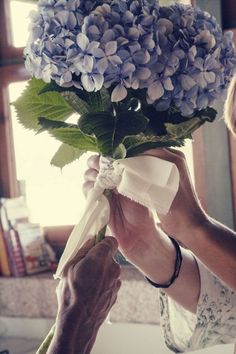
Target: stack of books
x=23 y=249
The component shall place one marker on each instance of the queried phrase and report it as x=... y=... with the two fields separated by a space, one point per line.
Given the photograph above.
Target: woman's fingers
x=93 y=162
x=90 y=175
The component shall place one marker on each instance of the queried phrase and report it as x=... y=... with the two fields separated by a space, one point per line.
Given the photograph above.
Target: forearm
x=60 y=345
x=186 y=288
x=157 y=263
x=72 y=336
x=68 y=344
x=215 y=245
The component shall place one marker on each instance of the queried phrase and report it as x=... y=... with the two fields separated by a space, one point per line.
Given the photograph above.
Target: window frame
x=12 y=70
x=8 y=181
x=232 y=155
x=8 y=53
x=216 y=173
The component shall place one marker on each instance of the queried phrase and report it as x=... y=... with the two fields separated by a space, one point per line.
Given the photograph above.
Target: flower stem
x=101 y=234
x=47 y=341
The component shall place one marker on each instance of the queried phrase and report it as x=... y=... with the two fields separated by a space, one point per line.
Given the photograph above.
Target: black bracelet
x=175 y=275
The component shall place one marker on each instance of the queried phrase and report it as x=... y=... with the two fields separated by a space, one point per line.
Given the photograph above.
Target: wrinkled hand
x=86 y=294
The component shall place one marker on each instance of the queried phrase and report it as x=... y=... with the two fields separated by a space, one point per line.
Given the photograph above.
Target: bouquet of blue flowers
x=139 y=75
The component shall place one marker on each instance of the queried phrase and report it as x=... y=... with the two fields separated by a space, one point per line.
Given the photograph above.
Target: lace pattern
x=214 y=322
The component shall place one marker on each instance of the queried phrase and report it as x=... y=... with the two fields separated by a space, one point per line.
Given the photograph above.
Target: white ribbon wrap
x=147 y=180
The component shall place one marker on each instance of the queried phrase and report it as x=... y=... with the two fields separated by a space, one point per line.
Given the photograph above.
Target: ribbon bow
x=147 y=180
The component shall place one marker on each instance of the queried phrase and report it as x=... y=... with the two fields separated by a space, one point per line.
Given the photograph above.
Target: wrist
x=76 y=339
x=60 y=345
x=74 y=331
x=176 y=271
x=190 y=232
x=193 y=233
x=85 y=339
x=157 y=253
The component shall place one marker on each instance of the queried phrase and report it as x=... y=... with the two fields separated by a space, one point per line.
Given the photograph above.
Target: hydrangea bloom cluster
x=178 y=54
x=197 y=57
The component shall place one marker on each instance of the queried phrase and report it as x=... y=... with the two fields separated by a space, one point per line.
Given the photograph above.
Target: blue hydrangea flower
x=178 y=54
x=204 y=61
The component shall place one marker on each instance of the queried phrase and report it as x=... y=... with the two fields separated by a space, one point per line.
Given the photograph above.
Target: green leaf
x=183 y=130
x=53 y=87
x=158 y=120
x=131 y=123
x=47 y=124
x=76 y=138
x=65 y=155
x=141 y=142
x=31 y=105
x=175 y=136
x=69 y=134
x=208 y=114
x=75 y=102
x=120 y=152
x=84 y=102
x=101 y=125
x=98 y=101
x=109 y=130
x=106 y=99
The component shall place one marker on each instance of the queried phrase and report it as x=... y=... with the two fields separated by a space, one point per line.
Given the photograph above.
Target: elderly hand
x=85 y=295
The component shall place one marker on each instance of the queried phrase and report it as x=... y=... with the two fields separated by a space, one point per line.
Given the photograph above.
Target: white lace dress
x=214 y=322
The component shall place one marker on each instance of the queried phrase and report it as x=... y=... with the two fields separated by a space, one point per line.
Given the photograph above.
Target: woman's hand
x=213 y=243
x=139 y=238
x=85 y=295
x=145 y=245
x=186 y=213
x=129 y=221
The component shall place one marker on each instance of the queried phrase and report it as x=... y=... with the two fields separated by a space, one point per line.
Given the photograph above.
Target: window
x=54 y=196
x=19 y=21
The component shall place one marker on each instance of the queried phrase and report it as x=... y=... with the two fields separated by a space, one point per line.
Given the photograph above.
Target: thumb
x=85 y=248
